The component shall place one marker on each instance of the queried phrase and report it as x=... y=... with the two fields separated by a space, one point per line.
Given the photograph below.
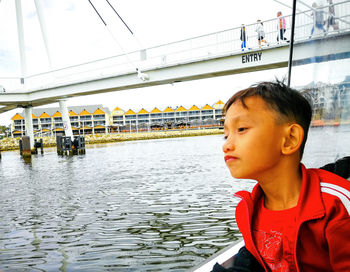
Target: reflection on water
x=148 y=205
x=142 y=206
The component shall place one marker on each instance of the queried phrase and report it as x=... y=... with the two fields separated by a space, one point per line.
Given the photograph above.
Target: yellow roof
x=155 y=110
x=98 y=111
x=33 y=116
x=130 y=112
x=181 y=108
x=194 y=108
x=142 y=111
x=84 y=112
x=219 y=103
x=117 y=109
x=44 y=115
x=168 y=109
x=207 y=107
x=57 y=114
x=72 y=113
x=17 y=116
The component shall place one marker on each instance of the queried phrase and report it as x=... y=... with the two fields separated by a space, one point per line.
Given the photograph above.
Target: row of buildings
x=96 y=119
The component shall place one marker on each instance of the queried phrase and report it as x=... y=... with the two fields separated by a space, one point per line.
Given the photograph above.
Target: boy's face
x=253 y=139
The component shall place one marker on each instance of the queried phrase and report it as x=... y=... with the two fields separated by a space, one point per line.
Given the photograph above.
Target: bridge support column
x=29 y=125
x=65 y=118
x=21 y=44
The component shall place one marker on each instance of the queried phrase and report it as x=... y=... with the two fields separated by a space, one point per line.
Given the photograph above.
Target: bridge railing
x=216 y=44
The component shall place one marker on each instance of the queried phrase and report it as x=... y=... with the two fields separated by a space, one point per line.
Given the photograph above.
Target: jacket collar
x=310 y=204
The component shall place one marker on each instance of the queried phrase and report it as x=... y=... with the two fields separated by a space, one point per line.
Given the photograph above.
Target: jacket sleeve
x=338 y=238
x=341 y=167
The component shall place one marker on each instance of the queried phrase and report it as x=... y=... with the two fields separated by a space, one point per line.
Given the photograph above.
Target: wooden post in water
x=59 y=144
x=26 y=150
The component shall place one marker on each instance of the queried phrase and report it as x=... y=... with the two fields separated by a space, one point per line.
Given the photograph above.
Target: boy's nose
x=228 y=145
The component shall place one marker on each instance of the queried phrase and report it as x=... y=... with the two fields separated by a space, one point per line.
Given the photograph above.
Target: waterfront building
x=194 y=115
x=181 y=116
x=156 y=117
x=330 y=102
x=130 y=120
x=92 y=119
x=17 y=125
x=117 y=119
x=218 y=110
x=74 y=121
x=169 y=118
x=88 y=119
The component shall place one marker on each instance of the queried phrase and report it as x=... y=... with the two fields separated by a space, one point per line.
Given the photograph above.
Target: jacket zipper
x=250 y=234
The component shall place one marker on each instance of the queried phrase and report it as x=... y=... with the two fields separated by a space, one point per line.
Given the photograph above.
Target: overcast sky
x=76 y=34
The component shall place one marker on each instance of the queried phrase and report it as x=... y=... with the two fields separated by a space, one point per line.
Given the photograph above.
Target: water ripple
x=139 y=206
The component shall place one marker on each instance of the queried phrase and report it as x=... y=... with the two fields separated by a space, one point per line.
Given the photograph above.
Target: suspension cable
x=132 y=33
x=96 y=12
x=115 y=40
x=119 y=17
x=291 y=46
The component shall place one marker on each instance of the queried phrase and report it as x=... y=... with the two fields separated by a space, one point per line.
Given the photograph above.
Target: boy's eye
x=225 y=137
x=241 y=129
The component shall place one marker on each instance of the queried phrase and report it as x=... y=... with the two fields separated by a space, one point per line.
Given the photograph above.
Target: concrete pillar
x=29 y=125
x=21 y=44
x=65 y=118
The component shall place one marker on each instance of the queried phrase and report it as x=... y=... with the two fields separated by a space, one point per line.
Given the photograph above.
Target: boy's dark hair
x=288 y=103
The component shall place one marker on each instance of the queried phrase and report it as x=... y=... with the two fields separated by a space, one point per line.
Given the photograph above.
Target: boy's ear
x=293 y=138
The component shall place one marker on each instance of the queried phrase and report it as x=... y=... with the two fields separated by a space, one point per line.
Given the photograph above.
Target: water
x=154 y=205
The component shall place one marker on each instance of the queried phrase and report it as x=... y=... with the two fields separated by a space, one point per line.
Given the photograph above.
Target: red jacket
x=323 y=222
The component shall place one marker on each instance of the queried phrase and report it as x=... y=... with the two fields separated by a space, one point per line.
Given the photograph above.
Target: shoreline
x=10 y=144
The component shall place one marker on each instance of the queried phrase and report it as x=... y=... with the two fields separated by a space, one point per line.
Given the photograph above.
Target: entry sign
x=253 y=57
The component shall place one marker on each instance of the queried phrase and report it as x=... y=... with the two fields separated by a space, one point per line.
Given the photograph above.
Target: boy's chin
x=238 y=175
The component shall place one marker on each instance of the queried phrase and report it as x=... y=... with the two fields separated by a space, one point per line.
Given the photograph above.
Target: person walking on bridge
x=244 y=38
x=261 y=33
x=318 y=14
x=331 y=17
x=281 y=27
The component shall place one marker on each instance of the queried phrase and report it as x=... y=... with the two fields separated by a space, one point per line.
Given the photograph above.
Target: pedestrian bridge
x=212 y=55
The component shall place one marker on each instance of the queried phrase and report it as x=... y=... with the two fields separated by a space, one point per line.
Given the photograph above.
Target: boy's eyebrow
x=235 y=120
x=238 y=118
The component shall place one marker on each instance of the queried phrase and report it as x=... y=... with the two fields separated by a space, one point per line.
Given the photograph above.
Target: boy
x=295 y=219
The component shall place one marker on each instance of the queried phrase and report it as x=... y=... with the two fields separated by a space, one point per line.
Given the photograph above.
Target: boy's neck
x=282 y=186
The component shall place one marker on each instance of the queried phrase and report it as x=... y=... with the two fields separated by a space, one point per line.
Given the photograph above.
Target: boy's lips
x=230 y=158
